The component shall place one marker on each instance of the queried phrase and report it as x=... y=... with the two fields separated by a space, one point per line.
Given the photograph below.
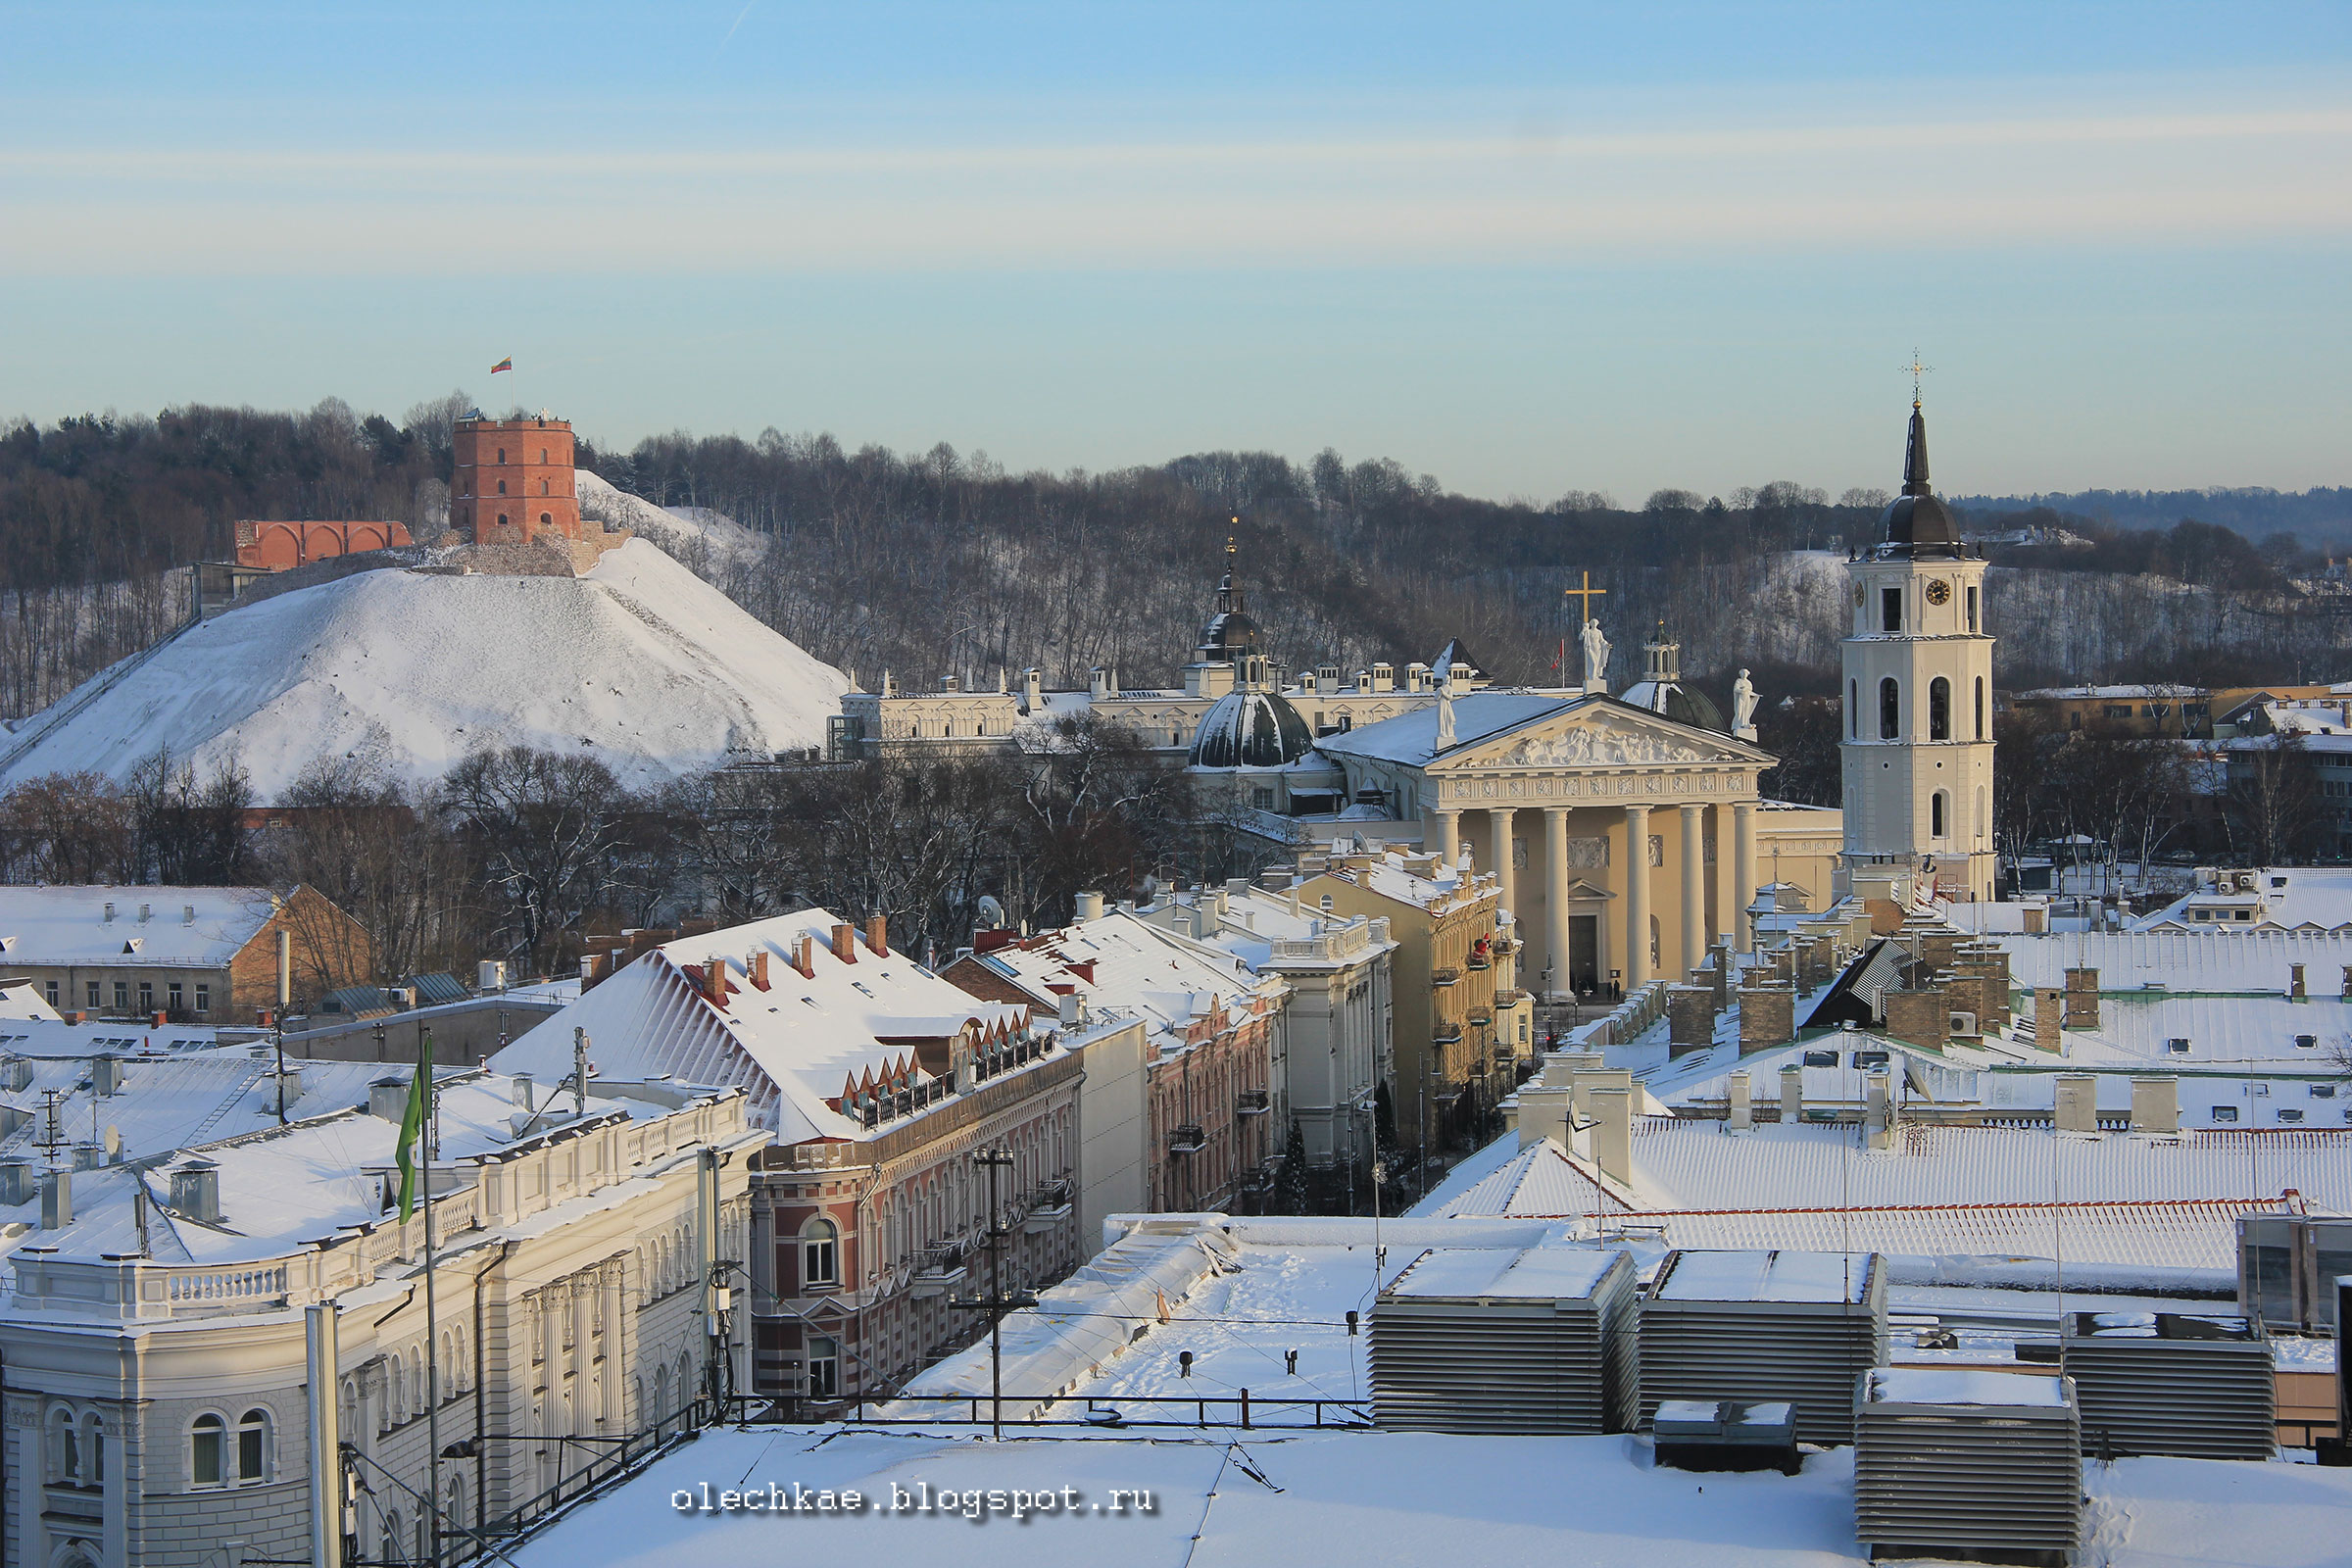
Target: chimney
x=56 y=1200
x=524 y=1092
x=1613 y=1131
x=490 y=976
x=388 y=1098
x=1100 y=683
x=1792 y=1094
x=2294 y=983
x=196 y=1191
x=714 y=980
x=106 y=1075
x=2155 y=1104
x=187 y=914
x=1073 y=1011
x=1739 y=1110
x=110 y=912
x=16 y=1072
x=1877 y=1115
x=2048 y=1001
x=1918 y=1017
x=758 y=968
x=1033 y=687
x=845 y=946
x=1543 y=1113
x=2077 y=1102
x=17 y=1185
x=2081 y=998
x=803 y=955
x=146 y=912
x=877 y=935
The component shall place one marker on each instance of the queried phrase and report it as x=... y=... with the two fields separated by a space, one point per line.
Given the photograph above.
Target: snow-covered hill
x=706 y=540
x=639 y=662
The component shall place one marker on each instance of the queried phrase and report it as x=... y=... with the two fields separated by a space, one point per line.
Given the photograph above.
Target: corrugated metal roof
x=2238 y=962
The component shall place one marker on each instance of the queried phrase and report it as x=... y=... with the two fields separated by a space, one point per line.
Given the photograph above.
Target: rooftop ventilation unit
x=1476 y=1340
x=1967 y=1462
x=2175 y=1383
x=1766 y=1326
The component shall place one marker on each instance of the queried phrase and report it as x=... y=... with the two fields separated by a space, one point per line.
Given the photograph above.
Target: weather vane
x=1917 y=371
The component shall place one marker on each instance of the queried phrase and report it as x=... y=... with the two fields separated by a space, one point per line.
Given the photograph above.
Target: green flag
x=411 y=1127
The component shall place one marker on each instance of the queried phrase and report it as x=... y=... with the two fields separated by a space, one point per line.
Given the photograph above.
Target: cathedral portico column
x=1636 y=896
x=1695 y=891
x=1447 y=826
x=1743 y=868
x=1726 y=893
x=1555 y=894
x=1499 y=832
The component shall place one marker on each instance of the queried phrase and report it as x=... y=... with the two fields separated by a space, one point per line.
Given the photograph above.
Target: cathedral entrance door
x=1584 y=953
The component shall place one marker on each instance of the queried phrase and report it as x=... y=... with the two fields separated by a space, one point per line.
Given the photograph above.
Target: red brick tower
x=514 y=481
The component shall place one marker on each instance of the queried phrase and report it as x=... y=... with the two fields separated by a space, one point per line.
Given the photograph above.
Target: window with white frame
x=208 y=1452
x=820 y=1252
x=253 y=1446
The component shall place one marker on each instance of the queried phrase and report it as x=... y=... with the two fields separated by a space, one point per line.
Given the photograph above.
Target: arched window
x=65 y=1449
x=1853 y=709
x=1984 y=818
x=1980 y=708
x=253 y=1445
x=1935 y=814
x=543 y=482
x=502 y=519
x=820 y=1252
x=93 y=1452
x=1940 y=709
x=1891 y=710
x=502 y=454
x=502 y=488
x=208 y=1452
x=543 y=457
x=546 y=519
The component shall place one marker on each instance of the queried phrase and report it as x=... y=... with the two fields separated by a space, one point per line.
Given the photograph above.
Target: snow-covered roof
x=1127 y=967
x=1425 y=881
x=638 y=662
x=1267 y=931
x=2243 y=962
x=166 y=1101
x=1412 y=737
x=99 y=925
x=1552 y=1273
x=792 y=1046
x=2305 y=898
x=320 y=1176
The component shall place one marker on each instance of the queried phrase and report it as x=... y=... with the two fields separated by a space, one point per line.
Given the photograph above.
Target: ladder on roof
x=228 y=1103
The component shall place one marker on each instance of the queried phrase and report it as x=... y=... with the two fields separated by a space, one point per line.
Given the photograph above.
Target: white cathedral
x=1625 y=827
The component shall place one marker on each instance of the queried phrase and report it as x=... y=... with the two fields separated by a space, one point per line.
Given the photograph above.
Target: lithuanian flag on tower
x=507 y=364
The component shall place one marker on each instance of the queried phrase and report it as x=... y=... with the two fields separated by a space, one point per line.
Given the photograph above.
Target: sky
x=1525 y=248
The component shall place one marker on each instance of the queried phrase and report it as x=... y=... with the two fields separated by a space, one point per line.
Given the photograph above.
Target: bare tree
x=552 y=837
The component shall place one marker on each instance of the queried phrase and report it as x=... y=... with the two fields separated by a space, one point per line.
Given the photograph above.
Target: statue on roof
x=1743 y=707
x=1596 y=658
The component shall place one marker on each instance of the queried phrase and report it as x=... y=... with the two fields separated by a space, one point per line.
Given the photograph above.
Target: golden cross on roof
x=1587 y=593
x=1917 y=371
x=1229 y=544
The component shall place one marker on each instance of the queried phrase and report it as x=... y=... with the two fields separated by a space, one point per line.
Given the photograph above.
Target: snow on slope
x=640 y=664
x=689 y=533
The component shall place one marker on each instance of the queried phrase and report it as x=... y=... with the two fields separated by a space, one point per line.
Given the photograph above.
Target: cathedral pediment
x=1599 y=735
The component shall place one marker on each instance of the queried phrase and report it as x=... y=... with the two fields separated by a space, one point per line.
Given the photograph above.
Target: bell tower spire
x=1917 y=754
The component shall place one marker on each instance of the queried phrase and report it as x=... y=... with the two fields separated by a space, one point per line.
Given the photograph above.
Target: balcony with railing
x=1440 y=978
x=1250 y=1102
x=1446 y=1034
x=939 y=1269
x=1049 y=1207
x=1187 y=1139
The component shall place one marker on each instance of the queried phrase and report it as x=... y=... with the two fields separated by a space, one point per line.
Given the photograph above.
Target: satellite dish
x=992 y=912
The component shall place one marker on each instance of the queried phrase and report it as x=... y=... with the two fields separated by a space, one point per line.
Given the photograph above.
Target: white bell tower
x=1918 y=667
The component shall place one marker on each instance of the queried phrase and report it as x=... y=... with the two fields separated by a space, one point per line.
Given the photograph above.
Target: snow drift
x=638 y=662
